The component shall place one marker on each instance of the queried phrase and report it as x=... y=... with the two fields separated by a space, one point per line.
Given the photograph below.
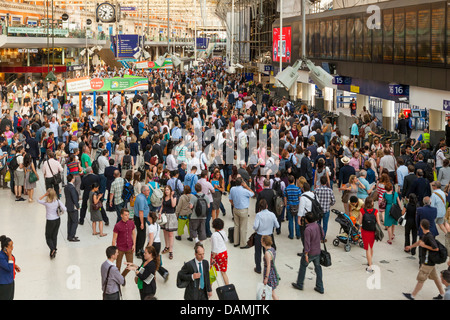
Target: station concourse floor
x=75 y=272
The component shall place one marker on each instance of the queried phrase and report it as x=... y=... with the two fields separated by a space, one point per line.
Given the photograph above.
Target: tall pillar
x=308 y=93
x=388 y=114
x=361 y=101
x=436 y=120
x=293 y=93
x=328 y=99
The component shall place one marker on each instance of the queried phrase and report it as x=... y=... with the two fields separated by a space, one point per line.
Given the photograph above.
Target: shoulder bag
x=59 y=210
x=56 y=177
x=382 y=203
x=325 y=257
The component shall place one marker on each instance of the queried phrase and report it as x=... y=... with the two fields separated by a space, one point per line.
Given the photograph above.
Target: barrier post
x=109 y=102
x=80 y=104
x=94 y=103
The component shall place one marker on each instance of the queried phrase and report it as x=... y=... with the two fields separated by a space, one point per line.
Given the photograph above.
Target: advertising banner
x=282 y=47
x=127 y=83
x=24 y=30
x=202 y=43
x=152 y=65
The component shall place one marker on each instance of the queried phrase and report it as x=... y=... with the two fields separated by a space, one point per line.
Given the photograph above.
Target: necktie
x=202 y=280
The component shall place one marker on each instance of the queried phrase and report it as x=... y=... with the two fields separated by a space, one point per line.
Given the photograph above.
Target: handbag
x=32 y=177
x=293 y=209
x=162 y=220
x=345 y=196
x=382 y=203
x=59 y=210
x=395 y=212
x=251 y=240
x=325 y=257
x=7 y=176
x=212 y=274
x=263 y=292
x=379 y=234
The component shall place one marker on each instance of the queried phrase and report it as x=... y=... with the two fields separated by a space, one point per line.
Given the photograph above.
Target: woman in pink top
x=355 y=161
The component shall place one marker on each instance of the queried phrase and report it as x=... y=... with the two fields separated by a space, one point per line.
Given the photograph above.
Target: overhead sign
x=127 y=8
x=447 y=105
x=65 y=17
x=338 y=80
x=398 y=90
x=27 y=50
x=202 y=43
x=124 y=45
x=152 y=65
x=127 y=83
x=56 y=31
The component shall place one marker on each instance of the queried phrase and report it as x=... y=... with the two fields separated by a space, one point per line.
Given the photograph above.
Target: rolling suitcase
x=227 y=292
x=231 y=234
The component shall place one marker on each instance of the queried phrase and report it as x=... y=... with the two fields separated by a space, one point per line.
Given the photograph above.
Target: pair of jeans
x=327 y=137
x=317 y=269
x=141 y=234
x=207 y=222
x=291 y=222
x=119 y=208
x=324 y=222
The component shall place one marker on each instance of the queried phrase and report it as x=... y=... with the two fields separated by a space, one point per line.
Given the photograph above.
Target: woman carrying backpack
x=367 y=220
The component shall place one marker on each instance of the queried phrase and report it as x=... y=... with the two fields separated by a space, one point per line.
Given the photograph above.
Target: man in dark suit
x=421 y=187
x=429 y=213
x=109 y=175
x=345 y=172
x=72 y=205
x=421 y=164
x=32 y=147
x=408 y=181
x=196 y=273
x=86 y=185
x=267 y=194
x=306 y=167
x=157 y=150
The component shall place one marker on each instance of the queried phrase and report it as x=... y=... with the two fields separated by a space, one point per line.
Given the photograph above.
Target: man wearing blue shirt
x=240 y=200
x=55 y=104
x=141 y=210
x=292 y=195
x=402 y=172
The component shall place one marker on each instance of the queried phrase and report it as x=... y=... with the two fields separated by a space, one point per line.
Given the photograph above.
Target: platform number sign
x=398 y=90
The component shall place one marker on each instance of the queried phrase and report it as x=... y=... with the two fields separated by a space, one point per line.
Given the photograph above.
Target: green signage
x=61 y=32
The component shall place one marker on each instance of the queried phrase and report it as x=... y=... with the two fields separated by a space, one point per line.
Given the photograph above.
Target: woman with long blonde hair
x=52 y=203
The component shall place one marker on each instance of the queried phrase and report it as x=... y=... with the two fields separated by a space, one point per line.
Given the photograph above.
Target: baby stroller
x=349 y=232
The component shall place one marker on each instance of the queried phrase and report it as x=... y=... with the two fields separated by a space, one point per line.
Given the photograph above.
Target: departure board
x=336 y=41
x=367 y=47
x=388 y=36
x=411 y=36
x=329 y=39
x=309 y=38
x=424 y=35
x=343 y=39
x=358 y=39
x=323 y=39
x=377 y=45
x=448 y=35
x=438 y=34
x=399 y=36
x=317 y=39
x=351 y=39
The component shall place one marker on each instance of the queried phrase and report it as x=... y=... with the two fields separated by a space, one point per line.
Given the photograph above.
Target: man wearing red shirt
x=124 y=238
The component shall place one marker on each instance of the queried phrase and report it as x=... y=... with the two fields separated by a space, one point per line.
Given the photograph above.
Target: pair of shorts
x=427 y=272
x=19 y=178
x=440 y=220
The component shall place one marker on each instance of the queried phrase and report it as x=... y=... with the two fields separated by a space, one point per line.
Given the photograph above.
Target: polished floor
x=75 y=272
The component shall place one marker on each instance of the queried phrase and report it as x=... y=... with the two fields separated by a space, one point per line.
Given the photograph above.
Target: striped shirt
x=117 y=190
x=326 y=197
x=73 y=168
x=292 y=193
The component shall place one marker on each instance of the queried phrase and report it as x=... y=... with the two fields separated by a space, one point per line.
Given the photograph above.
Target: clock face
x=106 y=12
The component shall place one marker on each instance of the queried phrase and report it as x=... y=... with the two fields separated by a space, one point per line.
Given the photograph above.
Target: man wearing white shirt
x=54 y=125
x=305 y=205
x=171 y=162
x=194 y=161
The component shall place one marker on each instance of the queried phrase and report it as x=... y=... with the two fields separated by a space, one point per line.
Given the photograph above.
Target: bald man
x=115 y=194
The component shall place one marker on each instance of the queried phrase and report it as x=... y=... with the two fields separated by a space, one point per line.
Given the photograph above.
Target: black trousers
x=50 y=183
x=410 y=232
x=141 y=234
x=259 y=248
x=83 y=210
x=51 y=233
x=72 y=224
x=112 y=296
x=7 y=291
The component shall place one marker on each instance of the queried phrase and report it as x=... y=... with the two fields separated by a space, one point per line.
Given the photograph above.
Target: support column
x=388 y=114
x=328 y=99
x=293 y=93
x=361 y=101
x=308 y=93
x=436 y=120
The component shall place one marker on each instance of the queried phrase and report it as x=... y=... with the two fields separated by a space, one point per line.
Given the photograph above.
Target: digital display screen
x=336 y=39
x=351 y=39
x=388 y=36
x=438 y=33
x=448 y=35
x=317 y=39
x=343 y=39
x=358 y=39
x=377 y=45
x=399 y=36
x=309 y=39
x=416 y=114
x=424 y=35
x=323 y=39
x=411 y=36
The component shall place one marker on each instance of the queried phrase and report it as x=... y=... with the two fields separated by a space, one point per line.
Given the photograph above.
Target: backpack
x=369 y=221
x=278 y=197
x=316 y=208
x=13 y=165
x=438 y=257
x=156 y=198
x=127 y=191
x=429 y=173
x=126 y=164
x=201 y=206
x=95 y=141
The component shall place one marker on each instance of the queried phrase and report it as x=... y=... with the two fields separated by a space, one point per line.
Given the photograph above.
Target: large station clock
x=106 y=12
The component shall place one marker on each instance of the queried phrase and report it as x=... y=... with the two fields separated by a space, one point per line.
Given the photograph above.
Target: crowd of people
x=161 y=161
